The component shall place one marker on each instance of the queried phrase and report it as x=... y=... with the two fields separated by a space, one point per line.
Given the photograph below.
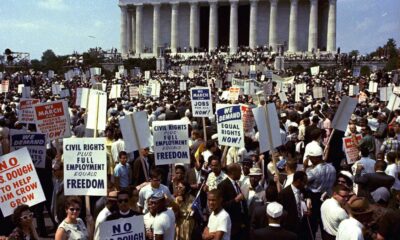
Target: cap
x=274 y=210
x=315 y=151
x=157 y=196
x=255 y=171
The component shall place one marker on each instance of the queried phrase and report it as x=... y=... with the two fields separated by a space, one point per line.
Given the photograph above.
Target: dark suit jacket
x=233 y=208
x=369 y=182
x=172 y=116
x=138 y=174
x=259 y=217
x=287 y=199
x=273 y=233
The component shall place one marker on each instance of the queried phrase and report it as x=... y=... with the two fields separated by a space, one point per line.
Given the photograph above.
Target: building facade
x=299 y=25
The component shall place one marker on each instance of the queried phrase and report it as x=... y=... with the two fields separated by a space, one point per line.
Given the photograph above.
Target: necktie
x=242 y=203
x=298 y=203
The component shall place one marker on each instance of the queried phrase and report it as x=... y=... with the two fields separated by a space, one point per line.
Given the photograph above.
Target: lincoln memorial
x=299 y=25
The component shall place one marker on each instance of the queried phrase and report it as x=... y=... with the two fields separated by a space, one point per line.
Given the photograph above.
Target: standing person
x=254 y=193
x=219 y=224
x=149 y=220
x=367 y=163
x=124 y=210
x=216 y=176
x=122 y=172
x=164 y=221
x=142 y=166
x=23 y=219
x=184 y=219
x=73 y=227
x=367 y=141
x=234 y=202
x=110 y=208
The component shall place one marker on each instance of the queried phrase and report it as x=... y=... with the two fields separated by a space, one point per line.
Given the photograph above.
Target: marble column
x=213 y=28
x=156 y=28
x=174 y=26
x=273 y=35
x=313 y=26
x=131 y=44
x=293 y=26
x=124 y=32
x=128 y=30
x=253 y=24
x=194 y=25
x=233 y=27
x=331 y=41
x=139 y=31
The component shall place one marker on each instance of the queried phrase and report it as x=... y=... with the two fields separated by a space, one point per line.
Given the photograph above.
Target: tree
x=354 y=53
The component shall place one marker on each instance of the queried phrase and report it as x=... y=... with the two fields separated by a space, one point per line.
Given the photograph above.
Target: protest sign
x=26 y=113
x=95 y=71
x=353 y=90
x=230 y=125
x=338 y=86
x=373 y=87
x=218 y=83
x=115 y=91
x=135 y=131
x=396 y=90
x=282 y=97
x=64 y=93
x=50 y=74
x=36 y=144
x=229 y=77
x=317 y=92
x=351 y=150
x=394 y=102
x=268 y=74
x=268 y=88
x=314 y=70
x=20 y=87
x=131 y=228
x=182 y=86
x=249 y=88
x=238 y=83
x=97 y=112
x=301 y=87
x=201 y=102
x=52 y=119
x=191 y=74
x=234 y=93
x=385 y=93
x=343 y=114
x=133 y=92
x=268 y=127
x=248 y=118
x=82 y=97
x=171 y=142
x=26 y=92
x=5 y=85
x=146 y=75
x=85 y=166
x=56 y=89
x=19 y=182
x=155 y=88
x=356 y=71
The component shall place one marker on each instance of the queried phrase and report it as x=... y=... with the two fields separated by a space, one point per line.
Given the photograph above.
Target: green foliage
x=354 y=53
x=365 y=70
x=391 y=52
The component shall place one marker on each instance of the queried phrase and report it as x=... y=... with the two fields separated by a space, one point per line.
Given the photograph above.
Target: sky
x=76 y=25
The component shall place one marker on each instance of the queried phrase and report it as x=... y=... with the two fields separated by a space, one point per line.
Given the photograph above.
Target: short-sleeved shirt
x=76 y=231
x=332 y=214
x=122 y=172
x=164 y=224
x=220 y=222
x=147 y=191
x=350 y=229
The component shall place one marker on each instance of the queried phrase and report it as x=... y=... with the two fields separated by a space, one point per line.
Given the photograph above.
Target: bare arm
x=60 y=234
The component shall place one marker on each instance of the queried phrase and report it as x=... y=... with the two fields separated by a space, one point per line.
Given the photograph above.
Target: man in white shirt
x=352 y=228
x=332 y=212
x=111 y=206
x=164 y=221
x=219 y=224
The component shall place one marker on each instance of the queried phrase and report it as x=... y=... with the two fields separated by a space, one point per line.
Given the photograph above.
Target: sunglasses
x=25 y=217
x=74 y=209
x=123 y=200
x=156 y=179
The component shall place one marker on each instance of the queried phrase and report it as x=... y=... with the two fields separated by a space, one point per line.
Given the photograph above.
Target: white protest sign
x=396 y=90
x=52 y=119
x=64 y=93
x=353 y=90
x=356 y=71
x=50 y=74
x=95 y=71
x=230 y=125
x=85 y=166
x=268 y=127
x=26 y=92
x=338 y=86
x=26 y=113
x=133 y=92
x=249 y=88
x=319 y=92
x=123 y=228
x=97 y=112
x=135 y=131
x=385 y=93
x=155 y=88
x=350 y=146
x=268 y=88
x=56 y=89
x=115 y=91
x=171 y=142
x=36 y=144
x=146 y=75
x=394 y=102
x=248 y=118
x=282 y=97
x=314 y=70
x=373 y=87
x=201 y=102
x=20 y=87
x=343 y=114
x=218 y=83
x=19 y=182
x=229 y=77
x=5 y=85
x=301 y=87
x=182 y=86
x=234 y=93
x=82 y=97
x=238 y=83
x=268 y=74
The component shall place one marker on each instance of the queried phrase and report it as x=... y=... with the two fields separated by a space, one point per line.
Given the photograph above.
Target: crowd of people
x=304 y=189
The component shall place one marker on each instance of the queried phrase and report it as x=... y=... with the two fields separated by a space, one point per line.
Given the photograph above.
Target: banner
x=230 y=125
x=53 y=120
x=133 y=92
x=171 y=142
x=135 y=131
x=201 y=102
x=26 y=112
x=97 y=111
x=350 y=145
x=248 y=118
x=85 y=166
x=36 y=144
x=131 y=228
x=343 y=114
x=19 y=182
x=268 y=127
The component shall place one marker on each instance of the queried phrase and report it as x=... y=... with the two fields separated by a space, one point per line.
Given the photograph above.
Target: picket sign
x=135 y=131
x=343 y=114
x=268 y=127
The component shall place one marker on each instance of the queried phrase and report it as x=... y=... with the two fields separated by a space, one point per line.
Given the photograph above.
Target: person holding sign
x=73 y=227
x=23 y=219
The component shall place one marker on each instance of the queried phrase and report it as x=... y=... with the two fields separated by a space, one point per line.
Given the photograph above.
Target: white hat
x=316 y=151
x=255 y=171
x=274 y=210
